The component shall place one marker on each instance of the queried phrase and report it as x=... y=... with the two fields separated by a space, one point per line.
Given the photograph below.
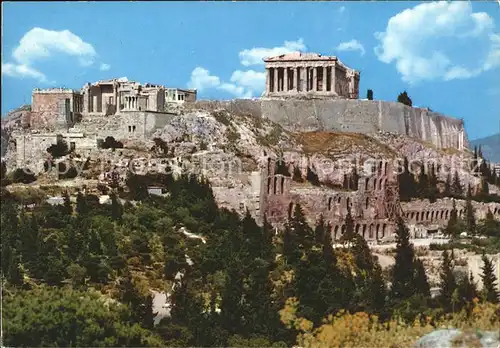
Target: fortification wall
x=366 y=116
x=358 y=116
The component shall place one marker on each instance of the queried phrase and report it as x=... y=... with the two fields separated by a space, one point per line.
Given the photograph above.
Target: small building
x=55 y=108
x=297 y=73
x=177 y=95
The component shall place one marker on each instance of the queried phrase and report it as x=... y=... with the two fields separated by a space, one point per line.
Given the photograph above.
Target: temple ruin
x=298 y=73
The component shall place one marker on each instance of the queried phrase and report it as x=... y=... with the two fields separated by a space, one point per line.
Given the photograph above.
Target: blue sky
x=446 y=55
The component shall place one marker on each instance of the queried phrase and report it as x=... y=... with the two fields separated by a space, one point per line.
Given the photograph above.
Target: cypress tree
x=456 y=186
x=490 y=292
x=448 y=283
x=421 y=283
x=319 y=231
x=447 y=186
x=116 y=207
x=470 y=219
x=68 y=209
x=452 y=225
x=403 y=286
x=423 y=183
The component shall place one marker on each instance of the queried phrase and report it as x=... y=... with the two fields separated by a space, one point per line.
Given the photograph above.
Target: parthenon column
x=296 y=80
x=315 y=79
x=333 y=79
x=325 y=76
x=303 y=79
x=285 y=80
x=267 y=80
x=275 y=88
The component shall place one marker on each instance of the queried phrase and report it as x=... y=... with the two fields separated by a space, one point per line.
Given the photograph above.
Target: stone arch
x=367 y=181
x=377 y=230
x=342 y=229
x=432 y=215
x=364 y=231
x=427 y=215
x=358 y=227
x=386 y=168
x=282 y=185
x=370 y=231
x=417 y=217
x=335 y=232
x=268 y=185
x=275 y=184
x=269 y=165
x=446 y=213
x=442 y=214
x=384 y=227
x=367 y=202
x=412 y=215
x=380 y=168
x=330 y=203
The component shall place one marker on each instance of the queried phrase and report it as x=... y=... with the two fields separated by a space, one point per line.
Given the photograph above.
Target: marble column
x=295 y=80
x=332 y=76
x=275 y=87
x=303 y=79
x=315 y=79
x=267 y=80
x=285 y=80
x=325 y=76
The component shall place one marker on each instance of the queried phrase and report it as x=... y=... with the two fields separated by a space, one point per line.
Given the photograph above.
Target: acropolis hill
x=309 y=120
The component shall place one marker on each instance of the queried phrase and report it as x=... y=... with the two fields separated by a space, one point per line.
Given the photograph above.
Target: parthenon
x=301 y=73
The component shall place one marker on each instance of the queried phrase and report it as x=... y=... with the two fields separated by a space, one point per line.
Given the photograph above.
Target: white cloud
x=353 y=45
x=341 y=9
x=254 y=80
x=415 y=41
x=201 y=79
x=104 y=67
x=255 y=56
x=22 y=71
x=243 y=83
x=40 y=44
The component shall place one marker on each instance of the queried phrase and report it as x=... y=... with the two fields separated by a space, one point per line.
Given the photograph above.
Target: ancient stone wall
x=357 y=116
x=438 y=213
x=365 y=116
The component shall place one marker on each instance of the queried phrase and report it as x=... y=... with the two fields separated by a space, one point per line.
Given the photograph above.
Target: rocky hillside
x=13 y=119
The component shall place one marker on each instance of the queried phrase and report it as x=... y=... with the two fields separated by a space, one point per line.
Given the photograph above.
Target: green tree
x=448 y=282
x=369 y=94
x=447 y=186
x=404 y=98
x=456 y=186
x=66 y=317
x=490 y=292
x=470 y=219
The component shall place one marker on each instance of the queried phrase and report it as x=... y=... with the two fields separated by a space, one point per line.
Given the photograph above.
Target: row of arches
x=375 y=184
x=371 y=231
x=338 y=200
x=432 y=215
x=276 y=184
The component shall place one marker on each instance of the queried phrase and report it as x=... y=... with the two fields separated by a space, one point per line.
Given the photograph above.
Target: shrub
x=59 y=149
x=111 y=143
x=23 y=175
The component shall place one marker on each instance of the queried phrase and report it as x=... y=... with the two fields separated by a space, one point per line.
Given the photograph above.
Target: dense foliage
x=81 y=274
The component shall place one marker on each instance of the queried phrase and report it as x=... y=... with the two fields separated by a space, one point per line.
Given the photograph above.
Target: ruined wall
x=280 y=195
x=438 y=213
